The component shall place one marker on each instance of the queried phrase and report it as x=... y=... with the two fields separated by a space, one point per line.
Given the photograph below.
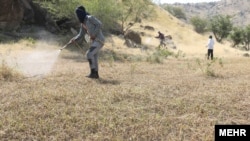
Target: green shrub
x=200 y=25
x=179 y=54
x=112 y=13
x=159 y=55
x=208 y=67
x=176 y=11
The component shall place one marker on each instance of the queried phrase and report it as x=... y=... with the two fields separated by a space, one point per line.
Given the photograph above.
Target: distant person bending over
x=210 y=46
x=91 y=26
x=161 y=36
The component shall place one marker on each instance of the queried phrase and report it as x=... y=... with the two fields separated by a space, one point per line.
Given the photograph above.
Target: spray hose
x=79 y=47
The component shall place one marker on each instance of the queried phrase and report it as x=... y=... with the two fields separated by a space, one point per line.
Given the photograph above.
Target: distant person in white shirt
x=210 y=46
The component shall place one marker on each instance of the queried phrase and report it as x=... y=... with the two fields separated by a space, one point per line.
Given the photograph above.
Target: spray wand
x=71 y=43
x=87 y=39
x=65 y=46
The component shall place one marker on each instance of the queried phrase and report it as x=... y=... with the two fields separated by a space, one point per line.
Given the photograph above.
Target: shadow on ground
x=106 y=81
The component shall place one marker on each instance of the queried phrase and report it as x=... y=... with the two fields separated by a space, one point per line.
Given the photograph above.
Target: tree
x=237 y=36
x=114 y=14
x=246 y=37
x=221 y=27
x=199 y=24
x=132 y=11
x=105 y=10
x=117 y=15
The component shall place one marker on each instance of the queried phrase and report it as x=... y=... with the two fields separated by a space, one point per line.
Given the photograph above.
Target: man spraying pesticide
x=92 y=27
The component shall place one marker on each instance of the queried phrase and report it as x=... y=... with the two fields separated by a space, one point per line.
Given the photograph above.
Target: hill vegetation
x=223 y=18
x=107 y=11
x=238 y=10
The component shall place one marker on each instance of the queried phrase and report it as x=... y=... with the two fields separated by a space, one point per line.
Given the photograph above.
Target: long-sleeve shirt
x=210 y=44
x=161 y=36
x=93 y=27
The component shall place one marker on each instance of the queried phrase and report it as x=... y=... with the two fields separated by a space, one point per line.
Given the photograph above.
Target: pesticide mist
x=37 y=62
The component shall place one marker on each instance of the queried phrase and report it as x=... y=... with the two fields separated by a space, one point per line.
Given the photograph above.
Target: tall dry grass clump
x=8 y=73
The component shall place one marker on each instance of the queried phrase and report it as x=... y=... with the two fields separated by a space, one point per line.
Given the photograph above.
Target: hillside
x=138 y=99
x=185 y=38
x=239 y=10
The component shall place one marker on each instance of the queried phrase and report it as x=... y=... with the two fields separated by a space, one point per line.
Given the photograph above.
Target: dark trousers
x=92 y=55
x=210 y=53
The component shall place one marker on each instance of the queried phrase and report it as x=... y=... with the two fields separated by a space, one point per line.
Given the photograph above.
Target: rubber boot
x=93 y=74
x=97 y=75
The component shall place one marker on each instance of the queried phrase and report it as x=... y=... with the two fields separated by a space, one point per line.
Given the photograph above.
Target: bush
x=159 y=55
x=237 y=36
x=60 y=8
x=115 y=15
x=208 y=67
x=199 y=24
x=221 y=26
x=246 y=37
x=106 y=11
x=176 y=11
x=7 y=73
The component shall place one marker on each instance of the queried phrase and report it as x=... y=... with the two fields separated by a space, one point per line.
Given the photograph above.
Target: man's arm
x=80 y=34
x=98 y=26
x=208 y=43
x=77 y=37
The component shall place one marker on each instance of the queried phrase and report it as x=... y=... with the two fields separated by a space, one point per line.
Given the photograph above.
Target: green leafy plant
x=221 y=26
x=159 y=55
x=207 y=67
x=199 y=24
x=237 y=36
x=176 y=11
x=179 y=54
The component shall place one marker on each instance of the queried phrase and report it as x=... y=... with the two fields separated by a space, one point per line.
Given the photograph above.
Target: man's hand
x=92 y=38
x=63 y=47
x=70 y=42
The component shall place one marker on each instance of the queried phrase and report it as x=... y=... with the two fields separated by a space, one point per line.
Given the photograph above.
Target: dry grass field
x=179 y=98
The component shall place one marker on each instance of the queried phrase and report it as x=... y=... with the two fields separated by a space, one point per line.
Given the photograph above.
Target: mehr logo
x=234 y=132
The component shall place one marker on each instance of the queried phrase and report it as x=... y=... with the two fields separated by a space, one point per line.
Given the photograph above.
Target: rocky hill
x=21 y=15
x=239 y=10
x=184 y=38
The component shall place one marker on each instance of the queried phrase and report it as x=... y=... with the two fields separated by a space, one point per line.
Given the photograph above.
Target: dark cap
x=81 y=7
x=81 y=13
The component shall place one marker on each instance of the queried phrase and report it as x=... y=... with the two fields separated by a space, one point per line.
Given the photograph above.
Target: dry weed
x=166 y=101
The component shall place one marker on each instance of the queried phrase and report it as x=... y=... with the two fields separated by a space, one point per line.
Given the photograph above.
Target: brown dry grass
x=133 y=100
